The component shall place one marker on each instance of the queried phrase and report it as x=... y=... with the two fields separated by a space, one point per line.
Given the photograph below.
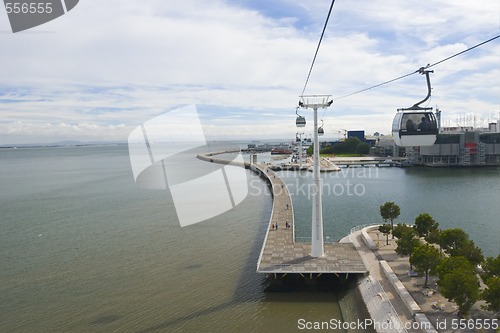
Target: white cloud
x=119 y=63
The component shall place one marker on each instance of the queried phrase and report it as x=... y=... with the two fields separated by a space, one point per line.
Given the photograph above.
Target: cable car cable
x=470 y=48
x=418 y=70
x=317 y=48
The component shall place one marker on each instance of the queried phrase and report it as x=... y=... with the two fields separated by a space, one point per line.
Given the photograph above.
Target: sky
x=106 y=67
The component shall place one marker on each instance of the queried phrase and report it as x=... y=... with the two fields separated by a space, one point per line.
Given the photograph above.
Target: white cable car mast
x=315 y=102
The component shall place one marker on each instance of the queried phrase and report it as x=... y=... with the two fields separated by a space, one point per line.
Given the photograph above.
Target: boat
x=281 y=151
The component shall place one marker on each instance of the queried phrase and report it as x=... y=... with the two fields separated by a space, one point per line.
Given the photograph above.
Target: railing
x=361 y=227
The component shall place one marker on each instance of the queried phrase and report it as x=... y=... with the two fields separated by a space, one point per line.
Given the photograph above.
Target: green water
x=466 y=198
x=83 y=249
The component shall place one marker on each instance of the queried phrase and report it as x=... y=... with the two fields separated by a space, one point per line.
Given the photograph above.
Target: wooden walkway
x=281 y=254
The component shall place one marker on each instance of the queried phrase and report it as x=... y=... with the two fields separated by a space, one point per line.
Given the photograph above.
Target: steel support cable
x=418 y=70
x=317 y=48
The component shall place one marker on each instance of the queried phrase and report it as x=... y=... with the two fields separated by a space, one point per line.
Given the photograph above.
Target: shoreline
x=440 y=312
x=396 y=290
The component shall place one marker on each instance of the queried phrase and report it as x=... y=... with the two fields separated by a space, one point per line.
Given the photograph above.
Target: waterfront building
x=459 y=146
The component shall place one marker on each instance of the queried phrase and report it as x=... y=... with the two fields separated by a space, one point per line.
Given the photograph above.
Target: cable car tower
x=315 y=102
x=416 y=125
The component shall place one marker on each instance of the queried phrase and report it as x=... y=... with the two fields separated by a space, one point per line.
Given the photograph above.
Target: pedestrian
x=272 y=226
x=276 y=225
x=287 y=205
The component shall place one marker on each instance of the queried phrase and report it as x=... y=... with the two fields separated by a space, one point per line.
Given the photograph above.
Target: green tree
x=462 y=287
x=492 y=294
x=491 y=267
x=401 y=228
x=327 y=150
x=456 y=243
x=363 y=148
x=390 y=211
x=433 y=236
x=424 y=224
x=451 y=239
x=449 y=264
x=407 y=242
x=470 y=251
x=425 y=258
x=352 y=144
x=386 y=230
x=310 y=150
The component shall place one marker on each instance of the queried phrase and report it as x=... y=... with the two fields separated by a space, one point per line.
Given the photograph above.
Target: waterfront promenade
x=280 y=253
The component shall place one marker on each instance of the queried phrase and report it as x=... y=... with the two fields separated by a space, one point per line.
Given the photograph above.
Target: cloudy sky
x=107 y=66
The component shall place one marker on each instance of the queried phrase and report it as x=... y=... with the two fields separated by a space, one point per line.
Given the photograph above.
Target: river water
x=83 y=249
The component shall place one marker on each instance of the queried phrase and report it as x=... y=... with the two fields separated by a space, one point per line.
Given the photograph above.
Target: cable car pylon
x=315 y=102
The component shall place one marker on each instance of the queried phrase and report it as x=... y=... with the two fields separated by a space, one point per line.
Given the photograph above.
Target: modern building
x=460 y=146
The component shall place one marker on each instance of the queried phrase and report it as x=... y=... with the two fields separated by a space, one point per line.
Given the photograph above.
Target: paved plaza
x=281 y=254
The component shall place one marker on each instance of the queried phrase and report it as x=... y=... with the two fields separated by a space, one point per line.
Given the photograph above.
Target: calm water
x=455 y=198
x=83 y=249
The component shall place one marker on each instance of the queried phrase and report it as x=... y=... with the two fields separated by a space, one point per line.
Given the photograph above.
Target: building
x=458 y=146
x=468 y=148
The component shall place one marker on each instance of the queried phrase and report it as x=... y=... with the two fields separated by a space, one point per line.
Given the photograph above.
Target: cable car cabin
x=411 y=129
x=321 y=131
x=300 y=122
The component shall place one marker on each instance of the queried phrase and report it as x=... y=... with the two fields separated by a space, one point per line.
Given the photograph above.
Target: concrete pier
x=280 y=253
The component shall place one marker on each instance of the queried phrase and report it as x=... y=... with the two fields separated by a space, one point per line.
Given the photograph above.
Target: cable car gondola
x=416 y=126
x=321 y=131
x=301 y=121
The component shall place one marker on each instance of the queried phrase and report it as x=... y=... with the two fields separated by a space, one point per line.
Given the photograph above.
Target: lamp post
x=315 y=102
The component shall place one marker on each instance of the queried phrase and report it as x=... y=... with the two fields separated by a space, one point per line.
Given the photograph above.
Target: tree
x=386 y=230
x=310 y=150
x=492 y=294
x=491 y=267
x=363 y=148
x=425 y=258
x=456 y=243
x=401 y=228
x=424 y=224
x=461 y=287
x=407 y=242
x=470 y=251
x=449 y=264
x=390 y=211
x=433 y=236
x=352 y=144
x=451 y=239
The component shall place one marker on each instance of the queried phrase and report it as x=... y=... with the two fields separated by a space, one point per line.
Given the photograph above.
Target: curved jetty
x=281 y=255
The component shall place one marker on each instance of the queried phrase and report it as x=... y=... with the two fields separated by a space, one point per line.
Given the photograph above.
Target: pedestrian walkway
x=281 y=254
x=389 y=305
